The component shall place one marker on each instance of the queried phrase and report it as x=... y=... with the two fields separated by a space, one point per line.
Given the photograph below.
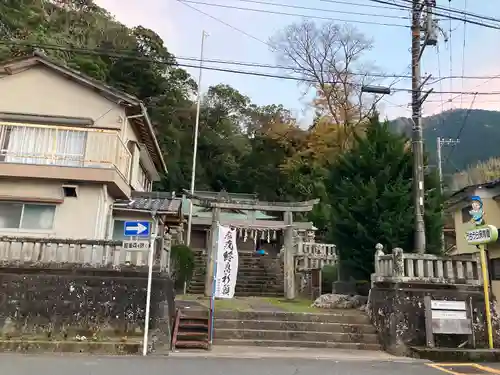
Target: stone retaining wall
x=70 y=304
x=397 y=311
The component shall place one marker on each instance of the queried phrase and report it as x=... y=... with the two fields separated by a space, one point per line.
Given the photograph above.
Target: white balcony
x=69 y=148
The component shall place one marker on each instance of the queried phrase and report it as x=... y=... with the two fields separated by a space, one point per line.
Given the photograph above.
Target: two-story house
x=69 y=147
x=459 y=205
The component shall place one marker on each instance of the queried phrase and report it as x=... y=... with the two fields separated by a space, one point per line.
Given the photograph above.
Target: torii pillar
x=289 y=260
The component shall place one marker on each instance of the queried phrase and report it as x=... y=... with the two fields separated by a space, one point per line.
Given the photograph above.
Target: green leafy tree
x=370 y=192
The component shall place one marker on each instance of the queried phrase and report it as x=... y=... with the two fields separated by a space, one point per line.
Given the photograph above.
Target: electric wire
x=227 y=24
x=458 y=11
x=446 y=16
x=450 y=46
x=463 y=54
x=368 y=74
x=291 y=14
x=234 y=71
x=321 y=10
x=464 y=123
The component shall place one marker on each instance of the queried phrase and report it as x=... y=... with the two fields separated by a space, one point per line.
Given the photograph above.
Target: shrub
x=182 y=265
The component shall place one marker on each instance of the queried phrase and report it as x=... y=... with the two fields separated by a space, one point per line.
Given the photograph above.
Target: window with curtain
x=40 y=145
x=28 y=216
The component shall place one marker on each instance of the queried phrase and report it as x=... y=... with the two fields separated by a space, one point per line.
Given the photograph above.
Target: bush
x=182 y=265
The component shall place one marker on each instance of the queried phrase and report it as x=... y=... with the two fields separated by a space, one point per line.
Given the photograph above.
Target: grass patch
x=297 y=305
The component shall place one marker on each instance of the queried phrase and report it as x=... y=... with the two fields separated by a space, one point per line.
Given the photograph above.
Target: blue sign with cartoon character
x=477 y=212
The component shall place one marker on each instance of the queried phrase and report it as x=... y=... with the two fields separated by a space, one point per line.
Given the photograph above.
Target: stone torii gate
x=224 y=202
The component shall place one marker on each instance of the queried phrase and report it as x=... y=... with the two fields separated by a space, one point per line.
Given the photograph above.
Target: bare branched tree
x=329 y=59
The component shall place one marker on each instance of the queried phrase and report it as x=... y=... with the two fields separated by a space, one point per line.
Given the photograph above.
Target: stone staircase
x=345 y=329
x=257 y=275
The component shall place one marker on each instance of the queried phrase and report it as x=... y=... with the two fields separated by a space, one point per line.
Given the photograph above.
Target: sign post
x=481 y=235
x=138 y=232
x=148 y=291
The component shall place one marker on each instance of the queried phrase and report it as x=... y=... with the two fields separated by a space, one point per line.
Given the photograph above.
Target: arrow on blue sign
x=137 y=228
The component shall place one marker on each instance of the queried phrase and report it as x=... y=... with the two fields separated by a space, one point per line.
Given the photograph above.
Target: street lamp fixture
x=376 y=90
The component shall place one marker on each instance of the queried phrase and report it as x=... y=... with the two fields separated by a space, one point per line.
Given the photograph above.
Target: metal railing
x=26 y=251
x=426 y=268
x=63 y=146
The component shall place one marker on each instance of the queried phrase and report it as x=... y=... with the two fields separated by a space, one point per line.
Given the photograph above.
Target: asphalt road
x=93 y=365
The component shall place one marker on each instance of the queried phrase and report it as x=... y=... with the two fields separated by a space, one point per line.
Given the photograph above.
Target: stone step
x=298 y=344
x=339 y=316
x=281 y=335
x=276 y=325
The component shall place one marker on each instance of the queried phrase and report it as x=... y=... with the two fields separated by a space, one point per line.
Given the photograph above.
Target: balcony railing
x=63 y=146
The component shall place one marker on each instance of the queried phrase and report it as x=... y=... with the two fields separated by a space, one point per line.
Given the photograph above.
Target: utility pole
x=440 y=142
x=195 y=136
x=423 y=33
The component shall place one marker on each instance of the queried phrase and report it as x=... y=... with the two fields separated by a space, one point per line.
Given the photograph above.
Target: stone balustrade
x=26 y=251
x=425 y=268
x=311 y=255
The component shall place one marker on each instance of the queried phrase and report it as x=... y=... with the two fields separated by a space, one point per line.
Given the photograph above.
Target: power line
x=464 y=123
x=108 y=53
x=290 y=14
x=463 y=52
x=450 y=45
x=459 y=11
x=447 y=16
x=369 y=74
x=364 y=5
x=226 y=24
x=322 y=10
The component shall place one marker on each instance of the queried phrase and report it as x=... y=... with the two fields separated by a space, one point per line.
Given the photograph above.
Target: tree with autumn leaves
x=345 y=157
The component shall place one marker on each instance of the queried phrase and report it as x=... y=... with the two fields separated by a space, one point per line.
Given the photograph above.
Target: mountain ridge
x=479 y=138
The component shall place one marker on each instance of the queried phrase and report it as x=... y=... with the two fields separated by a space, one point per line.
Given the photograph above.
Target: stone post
x=289 y=261
x=379 y=251
x=212 y=251
x=398 y=266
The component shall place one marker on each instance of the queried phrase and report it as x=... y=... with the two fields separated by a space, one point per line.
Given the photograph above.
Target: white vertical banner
x=227 y=263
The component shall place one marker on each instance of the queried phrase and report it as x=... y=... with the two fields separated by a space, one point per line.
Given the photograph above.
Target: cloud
x=153 y=14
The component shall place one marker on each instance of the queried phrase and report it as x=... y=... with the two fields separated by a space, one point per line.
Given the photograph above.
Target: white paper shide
x=227 y=263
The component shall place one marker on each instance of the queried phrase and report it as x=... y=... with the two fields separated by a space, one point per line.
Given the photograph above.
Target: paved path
x=92 y=365
x=237 y=361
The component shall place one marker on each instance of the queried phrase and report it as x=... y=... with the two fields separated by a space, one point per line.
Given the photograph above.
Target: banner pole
x=212 y=295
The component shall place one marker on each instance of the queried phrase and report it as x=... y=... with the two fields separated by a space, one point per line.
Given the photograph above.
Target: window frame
x=144 y=179
x=20 y=229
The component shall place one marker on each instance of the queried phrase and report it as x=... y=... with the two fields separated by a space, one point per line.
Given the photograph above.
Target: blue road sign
x=137 y=228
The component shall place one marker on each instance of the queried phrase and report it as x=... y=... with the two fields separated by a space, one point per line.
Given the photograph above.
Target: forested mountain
x=479 y=139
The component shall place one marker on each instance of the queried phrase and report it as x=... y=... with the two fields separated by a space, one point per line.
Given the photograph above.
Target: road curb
x=294 y=355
